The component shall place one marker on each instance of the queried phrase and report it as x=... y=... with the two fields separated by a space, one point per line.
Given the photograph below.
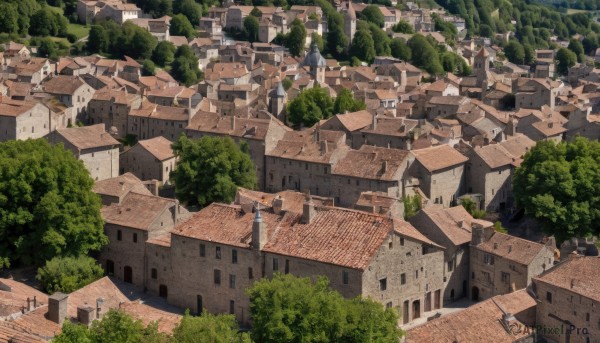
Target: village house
x=387 y=132
x=350 y=124
x=452 y=229
x=501 y=263
x=111 y=107
x=440 y=173
x=151 y=159
x=541 y=124
x=151 y=120
x=568 y=299
x=73 y=92
x=98 y=150
x=535 y=93
x=236 y=247
x=116 y=10
x=23 y=119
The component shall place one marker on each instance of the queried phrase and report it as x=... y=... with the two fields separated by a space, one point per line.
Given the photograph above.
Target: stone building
x=440 y=173
x=111 y=107
x=71 y=91
x=535 y=93
x=502 y=263
x=151 y=159
x=151 y=120
x=98 y=150
x=568 y=298
x=23 y=119
x=452 y=229
x=360 y=253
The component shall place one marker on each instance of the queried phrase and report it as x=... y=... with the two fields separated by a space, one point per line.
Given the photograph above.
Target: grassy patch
x=574 y=11
x=56 y=10
x=495 y=14
x=78 y=30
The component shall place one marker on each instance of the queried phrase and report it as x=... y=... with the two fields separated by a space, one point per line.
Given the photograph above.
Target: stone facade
x=23 y=120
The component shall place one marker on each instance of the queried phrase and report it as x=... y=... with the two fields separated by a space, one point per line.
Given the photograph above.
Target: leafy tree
x=210 y=169
x=185 y=66
x=559 y=185
x=47 y=207
x=363 y=46
x=471 y=207
x=381 y=41
x=251 y=28
x=164 y=53
x=373 y=14
x=345 y=102
x=181 y=26
x=403 y=27
x=529 y=57
x=291 y=309
x=136 y=42
x=287 y=83
x=208 y=328
x=412 y=205
x=148 y=68
x=577 y=48
x=514 y=52
x=47 y=48
x=565 y=59
x=43 y=23
x=499 y=228
x=400 y=50
x=9 y=18
x=115 y=327
x=315 y=37
x=590 y=43
x=98 y=39
x=310 y=106
x=424 y=55
x=68 y=274
x=296 y=39
x=189 y=8
x=337 y=41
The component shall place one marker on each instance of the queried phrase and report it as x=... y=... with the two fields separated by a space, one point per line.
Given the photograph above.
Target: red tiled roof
x=439 y=157
x=88 y=137
x=137 y=211
x=578 y=275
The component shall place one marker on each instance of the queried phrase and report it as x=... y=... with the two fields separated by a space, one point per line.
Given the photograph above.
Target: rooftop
x=88 y=137
x=578 y=275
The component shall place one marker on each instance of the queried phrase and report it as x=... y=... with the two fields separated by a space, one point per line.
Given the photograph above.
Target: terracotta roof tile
x=63 y=84
x=136 y=210
x=372 y=162
x=159 y=147
x=88 y=137
x=439 y=157
x=167 y=321
x=578 y=275
x=120 y=185
x=454 y=222
x=512 y=248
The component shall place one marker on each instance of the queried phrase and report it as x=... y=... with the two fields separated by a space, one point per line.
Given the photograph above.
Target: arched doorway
x=162 y=291
x=475 y=294
x=128 y=274
x=110 y=267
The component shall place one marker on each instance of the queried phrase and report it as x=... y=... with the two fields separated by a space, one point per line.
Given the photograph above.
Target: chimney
x=57 y=307
x=85 y=315
x=259 y=231
x=323 y=147
x=385 y=166
x=374 y=122
x=34 y=301
x=29 y=303
x=495 y=246
x=308 y=211
x=510 y=248
x=99 y=305
x=277 y=204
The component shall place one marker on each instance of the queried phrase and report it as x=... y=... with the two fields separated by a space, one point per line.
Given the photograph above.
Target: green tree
x=559 y=185
x=345 y=102
x=47 y=206
x=403 y=27
x=136 y=42
x=98 y=39
x=529 y=54
x=577 y=47
x=210 y=169
x=208 y=328
x=424 y=55
x=251 y=28
x=315 y=37
x=181 y=26
x=189 y=8
x=373 y=14
x=363 y=46
x=565 y=59
x=514 y=52
x=291 y=309
x=381 y=41
x=400 y=50
x=296 y=39
x=43 y=23
x=337 y=41
x=9 y=18
x=287 y=83
x=68 y=274
x=47 y=48
x=471 y=207
x=164 y=53
x=310 y=106
x=185 y=66
x=148 y=68
x=412 y=205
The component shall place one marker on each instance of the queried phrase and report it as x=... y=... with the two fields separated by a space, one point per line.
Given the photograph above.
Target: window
x=587 y=317
x=388 y=305
x=234 y=256
x=154 y=273
x=231 y=281
x=383 y=284
x=119 y=235
x=505 y=277
x=549 y=297
x=250 y=274
x=345 y=277
x=218 y=253
x=416 y=274
x=231 y=307
x=450 y=265
x=488 y=259
x=217 y=277
x=402 y=241
x=202 y=250
x=287 y=266
x=403 y=279
x=275 y=264
x=135 y=238
x=390 y=245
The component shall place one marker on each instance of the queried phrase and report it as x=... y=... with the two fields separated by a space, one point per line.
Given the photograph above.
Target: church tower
x=278 y=101
x=482 y=68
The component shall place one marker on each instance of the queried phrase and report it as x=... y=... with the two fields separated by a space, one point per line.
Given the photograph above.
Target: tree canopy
x=514 y=52
x=68 y=274
x=291 y=309
x=373 y=14
x=345 y=102
x=310 y=106
x=559 y=185
x=363 y=46
x=185 y=66
x=208 y=328
x=47 y=206
x=181 y=26
x=424 y=55
x=565 y=59
x=210 y=169
x=296 y=39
